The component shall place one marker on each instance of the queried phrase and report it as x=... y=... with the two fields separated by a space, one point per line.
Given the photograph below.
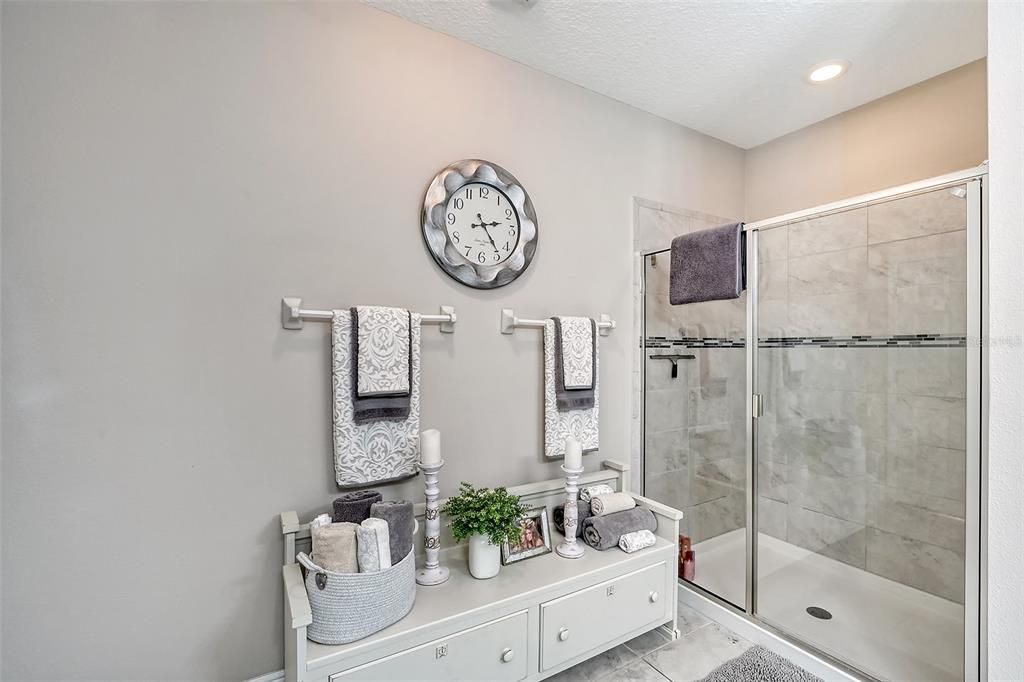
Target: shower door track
x=977 y=413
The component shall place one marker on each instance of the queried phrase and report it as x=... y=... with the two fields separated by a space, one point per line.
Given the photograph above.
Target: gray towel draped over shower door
x=707 y=265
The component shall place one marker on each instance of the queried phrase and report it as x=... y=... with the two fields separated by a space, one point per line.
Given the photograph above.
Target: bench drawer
x=492 y=651
x=582 y=621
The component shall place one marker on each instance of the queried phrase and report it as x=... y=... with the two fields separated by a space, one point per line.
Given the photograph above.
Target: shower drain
x=819 y=612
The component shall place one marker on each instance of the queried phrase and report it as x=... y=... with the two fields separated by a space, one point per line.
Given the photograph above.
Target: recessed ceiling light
x=827 y=71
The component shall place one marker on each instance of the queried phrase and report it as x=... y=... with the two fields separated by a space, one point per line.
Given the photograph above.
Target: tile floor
x=652 y=657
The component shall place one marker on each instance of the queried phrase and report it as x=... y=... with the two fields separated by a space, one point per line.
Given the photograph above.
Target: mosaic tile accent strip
x=895 y=341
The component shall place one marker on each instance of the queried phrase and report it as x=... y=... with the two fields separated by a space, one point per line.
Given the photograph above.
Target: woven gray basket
x=350 y=606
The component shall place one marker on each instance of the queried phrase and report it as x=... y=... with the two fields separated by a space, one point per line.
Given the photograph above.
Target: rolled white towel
x=373 y=546
x=631 y=542
x=590 y=492
x=602 y=505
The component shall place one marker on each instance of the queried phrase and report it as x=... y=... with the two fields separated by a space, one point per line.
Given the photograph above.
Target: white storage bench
x=537 y=617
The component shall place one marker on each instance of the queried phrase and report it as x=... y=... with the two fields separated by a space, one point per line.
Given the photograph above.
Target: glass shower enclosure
x=822 y=433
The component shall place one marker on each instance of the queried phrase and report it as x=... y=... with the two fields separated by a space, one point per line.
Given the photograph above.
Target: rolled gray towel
x=336 y=547
x=602 y=532
x=373 y=545
x=354 y=507
x=582 y=512
x=401 y=525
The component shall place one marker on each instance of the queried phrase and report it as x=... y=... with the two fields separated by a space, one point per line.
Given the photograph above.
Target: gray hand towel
x=354 y=507
x=582 y=512
x=336 y=547
x=707 y=265
x=376 y=408
x=374 y=549
x=573 y=399
x=603 y=532
x=401 y=525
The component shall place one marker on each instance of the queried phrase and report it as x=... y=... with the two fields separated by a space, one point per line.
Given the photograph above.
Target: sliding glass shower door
x=861 y=364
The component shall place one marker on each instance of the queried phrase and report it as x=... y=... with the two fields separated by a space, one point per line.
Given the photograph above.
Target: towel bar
x=293 y=315
x=509 y=322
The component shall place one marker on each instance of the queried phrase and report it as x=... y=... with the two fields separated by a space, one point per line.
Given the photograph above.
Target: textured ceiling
x=733 y=70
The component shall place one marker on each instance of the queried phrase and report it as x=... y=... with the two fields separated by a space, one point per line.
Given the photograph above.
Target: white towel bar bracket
x=293 y=315
x=509 y=322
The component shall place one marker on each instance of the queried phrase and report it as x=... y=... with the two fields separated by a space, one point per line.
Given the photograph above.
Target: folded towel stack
x=610 y=503
x=381 y=363
x=582 y=512
x=401 y=525
x=354 y=507
x=592 y=491
x=374 y=548
x=375 y=376
x=575 y=362
x=570 y=412
x=637 y=540
x=603 y=532
x=334 y=547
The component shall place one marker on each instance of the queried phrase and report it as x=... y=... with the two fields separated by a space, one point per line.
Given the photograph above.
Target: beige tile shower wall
x=865 y=446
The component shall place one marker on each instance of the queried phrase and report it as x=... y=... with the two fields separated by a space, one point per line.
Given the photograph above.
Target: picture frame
x=535 y=541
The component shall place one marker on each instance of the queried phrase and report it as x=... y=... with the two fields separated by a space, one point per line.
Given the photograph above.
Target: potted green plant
x=488 y=518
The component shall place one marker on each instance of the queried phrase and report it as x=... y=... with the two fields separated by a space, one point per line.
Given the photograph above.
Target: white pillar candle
x=430 y=447
x=573 y=454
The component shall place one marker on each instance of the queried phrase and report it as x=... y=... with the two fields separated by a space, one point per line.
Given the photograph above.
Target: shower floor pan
x=889 y=630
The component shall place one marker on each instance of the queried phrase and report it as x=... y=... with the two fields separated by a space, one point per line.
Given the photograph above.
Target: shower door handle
x=757 y=405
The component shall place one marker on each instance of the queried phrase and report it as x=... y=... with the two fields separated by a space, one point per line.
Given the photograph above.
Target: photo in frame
x=534 y=541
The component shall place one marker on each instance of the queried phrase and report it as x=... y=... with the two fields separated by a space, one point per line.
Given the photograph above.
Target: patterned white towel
x=592 y=491
x=580 y=424
x=577 y=352
x=384 y=351
x=637 y=540
x=377 y=451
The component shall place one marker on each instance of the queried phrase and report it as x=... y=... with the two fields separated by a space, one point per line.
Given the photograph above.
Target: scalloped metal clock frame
x=442 y=187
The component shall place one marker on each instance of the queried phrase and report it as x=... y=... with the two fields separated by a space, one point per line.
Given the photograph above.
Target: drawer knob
x=563 y=634
x=654 y=597
x=507 y=655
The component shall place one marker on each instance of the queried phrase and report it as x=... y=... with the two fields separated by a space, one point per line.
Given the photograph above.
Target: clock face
x=479 y=224
x=482 y=224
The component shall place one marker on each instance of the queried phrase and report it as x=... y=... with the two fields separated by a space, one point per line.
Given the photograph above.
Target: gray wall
x=170 y=172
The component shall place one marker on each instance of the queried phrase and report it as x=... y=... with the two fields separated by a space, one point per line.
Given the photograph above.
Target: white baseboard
x=753 y=632
x=276 y=676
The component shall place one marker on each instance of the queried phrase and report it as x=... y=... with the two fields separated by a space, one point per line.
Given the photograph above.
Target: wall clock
x=479 y=224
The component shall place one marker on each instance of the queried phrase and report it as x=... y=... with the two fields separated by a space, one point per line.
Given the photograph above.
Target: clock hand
x=489 y=237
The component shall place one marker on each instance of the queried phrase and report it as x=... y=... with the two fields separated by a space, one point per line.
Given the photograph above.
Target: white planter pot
x=484 y=558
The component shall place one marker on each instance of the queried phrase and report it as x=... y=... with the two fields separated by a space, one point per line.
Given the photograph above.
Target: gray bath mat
x=757 y=664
